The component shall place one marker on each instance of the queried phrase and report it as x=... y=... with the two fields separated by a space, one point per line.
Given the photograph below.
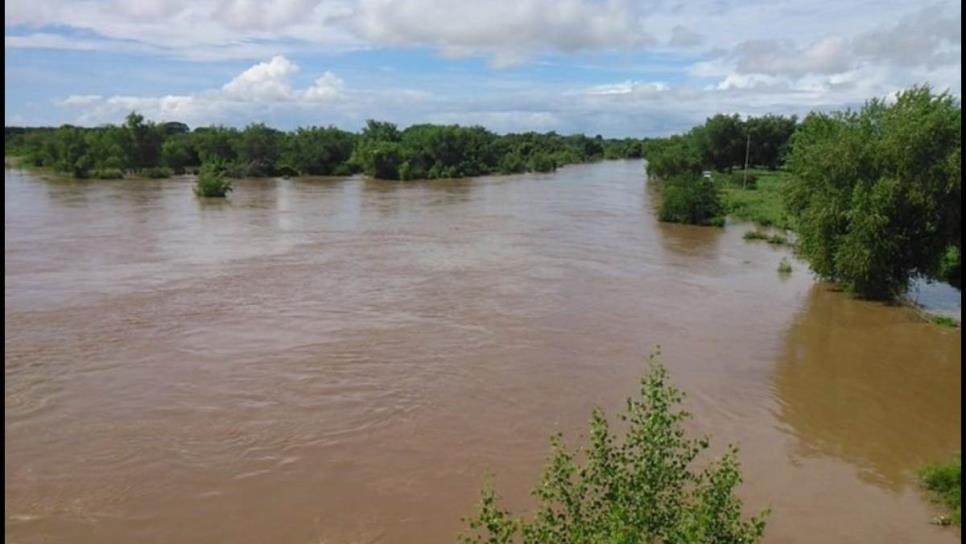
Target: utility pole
x=744 y=183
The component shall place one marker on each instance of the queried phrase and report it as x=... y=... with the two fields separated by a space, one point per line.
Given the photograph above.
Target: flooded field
x=341 y=360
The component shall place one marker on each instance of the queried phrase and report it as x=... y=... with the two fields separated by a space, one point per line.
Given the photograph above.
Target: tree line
x=874 y=194
x=380 y=150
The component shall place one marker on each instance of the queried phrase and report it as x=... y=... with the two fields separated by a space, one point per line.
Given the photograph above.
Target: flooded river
x=341 y=360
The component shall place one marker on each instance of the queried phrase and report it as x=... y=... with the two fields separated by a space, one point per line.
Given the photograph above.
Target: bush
x=692 y=200
x=951 y=267
x=639 y=488
x=541 y=162
x=946 y=482
x=211 y=181
x=156 y=172
x=107 y=173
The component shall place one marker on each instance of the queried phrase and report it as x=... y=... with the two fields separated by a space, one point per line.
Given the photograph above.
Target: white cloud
x=759 y=57
x=326 y=87
x=264 y=81
x=80 y=100
x=627 y=87
x=258 y=91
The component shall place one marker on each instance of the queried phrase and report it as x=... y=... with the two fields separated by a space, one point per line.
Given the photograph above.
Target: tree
x=723 y=141
x=877 y=193
x=177 y=153
x=691 y=199
x=639 y=488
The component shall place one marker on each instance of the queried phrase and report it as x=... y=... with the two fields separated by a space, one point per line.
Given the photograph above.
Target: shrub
x=946 y=482
x=107 y=173
x=692 y=200
x=542 y=162
x=211 y=181
x=639 y=488
x=156 y=172
x=951 y=267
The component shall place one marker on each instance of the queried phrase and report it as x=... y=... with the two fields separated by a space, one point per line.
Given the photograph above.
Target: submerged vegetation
x=211 y=181
x=945 y=481
x=691 y=199
x=784 y=267
x=638 y=488
x=877 y=192
x=773 y=239
x=380 y=150
x=874 y=196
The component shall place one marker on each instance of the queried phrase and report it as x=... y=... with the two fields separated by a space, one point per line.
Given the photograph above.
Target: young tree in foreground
x=639 y=488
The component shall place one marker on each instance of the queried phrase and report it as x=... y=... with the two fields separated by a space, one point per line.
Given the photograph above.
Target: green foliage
x=317 y=151
x=638 y=488
x=178 y=153
x=769 y=139
x=784 y=267
x=674 y=156
x=761 y=203
x=107 y=173
x=156 y=172
x=690 y=199
x=211 y=180
x=945 y=481
x=257 y=148
x=541 y=162
x=876 y=194
x=720 y=144
x=945 y=321
x=951 y=267
x=381 y=150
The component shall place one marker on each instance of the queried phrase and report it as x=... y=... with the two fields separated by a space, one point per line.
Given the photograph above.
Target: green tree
x=877 y=192
x=639 y=488
x=177 y=153
x=690 y=199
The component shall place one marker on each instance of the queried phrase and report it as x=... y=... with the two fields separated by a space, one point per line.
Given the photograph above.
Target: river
x=341 y=360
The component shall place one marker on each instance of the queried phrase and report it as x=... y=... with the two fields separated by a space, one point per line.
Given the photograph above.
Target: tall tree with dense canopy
x=877 y=192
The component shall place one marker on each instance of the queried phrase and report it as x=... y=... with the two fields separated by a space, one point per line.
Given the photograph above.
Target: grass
x=784 y=267
x=945 y=321
x=774 y=239
x=945 y=481
x=761 y=202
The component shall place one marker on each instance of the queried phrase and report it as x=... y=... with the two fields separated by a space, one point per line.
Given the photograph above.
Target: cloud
x=609 y=66
x=326 y=87
x=683 y=37
x=264 y=81
x=507 y=31
x=256 y=92
x=80 y=100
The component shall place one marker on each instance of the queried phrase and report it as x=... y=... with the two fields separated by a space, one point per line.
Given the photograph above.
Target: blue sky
x=611 y=67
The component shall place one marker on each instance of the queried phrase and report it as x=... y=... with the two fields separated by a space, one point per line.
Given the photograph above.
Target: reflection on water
x=870 y=384
x=341 y=359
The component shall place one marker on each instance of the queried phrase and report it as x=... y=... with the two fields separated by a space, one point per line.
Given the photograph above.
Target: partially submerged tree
x=877 y=192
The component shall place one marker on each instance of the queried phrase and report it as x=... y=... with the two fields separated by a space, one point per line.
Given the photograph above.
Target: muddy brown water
x=342 y=360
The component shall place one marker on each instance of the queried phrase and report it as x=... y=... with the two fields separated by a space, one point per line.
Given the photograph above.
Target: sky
x=617 y=68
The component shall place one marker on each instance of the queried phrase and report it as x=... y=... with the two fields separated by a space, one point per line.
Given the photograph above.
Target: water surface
x=341 y=360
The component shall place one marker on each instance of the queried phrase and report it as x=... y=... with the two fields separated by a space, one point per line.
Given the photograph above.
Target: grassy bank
x=760 y=201
x=945 y=481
